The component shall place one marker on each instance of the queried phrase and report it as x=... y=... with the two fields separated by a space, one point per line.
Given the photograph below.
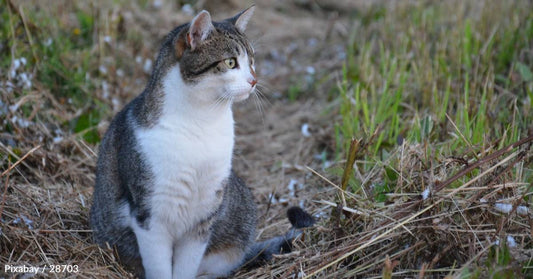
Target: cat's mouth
x=243 y=93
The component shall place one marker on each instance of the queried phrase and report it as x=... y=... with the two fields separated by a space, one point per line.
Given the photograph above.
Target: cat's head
x=215 y=59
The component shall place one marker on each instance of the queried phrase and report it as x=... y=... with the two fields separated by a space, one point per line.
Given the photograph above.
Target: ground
x=270 y=152
x=438 y=96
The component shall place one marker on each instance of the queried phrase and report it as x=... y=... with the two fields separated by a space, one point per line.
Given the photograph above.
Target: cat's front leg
x=155 y=247
x=188 y=254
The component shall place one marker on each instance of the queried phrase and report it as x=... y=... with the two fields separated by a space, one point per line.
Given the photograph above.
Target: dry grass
x=45 y=204
x=446 y=231
x=46 y=223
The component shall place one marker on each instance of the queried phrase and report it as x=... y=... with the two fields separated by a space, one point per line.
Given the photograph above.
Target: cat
x=165 y=195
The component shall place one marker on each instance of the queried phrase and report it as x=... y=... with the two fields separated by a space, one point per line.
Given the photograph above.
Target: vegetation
x=433 y=90
x=432 y=112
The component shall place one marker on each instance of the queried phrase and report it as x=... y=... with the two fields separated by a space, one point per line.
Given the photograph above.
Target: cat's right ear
x=199 y=29
x=241 y=19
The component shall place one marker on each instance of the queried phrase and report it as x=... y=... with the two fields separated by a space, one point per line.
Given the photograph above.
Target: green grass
x=61 y=55
x=458 y=85
x=411 y=68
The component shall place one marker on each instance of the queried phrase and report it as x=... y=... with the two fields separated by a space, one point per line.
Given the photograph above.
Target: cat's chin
x=241 y=97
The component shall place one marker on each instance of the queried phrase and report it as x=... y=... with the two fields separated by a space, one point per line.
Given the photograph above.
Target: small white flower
x=116 y=103
x=506 y=208
x=157 y=4
x=22 y=123
x=522 y=210
x=283 y=200
x=14 y=108
x=187 y=9
x=292 y=187
x=25 y=79
x=510 y=241
x=16 y=64
x=105 y=89
x=82 y=200
x=102 y=69
x=503 y=207
x=425 y=194
x=272 y=198
x=305 y=130
x=147 y=67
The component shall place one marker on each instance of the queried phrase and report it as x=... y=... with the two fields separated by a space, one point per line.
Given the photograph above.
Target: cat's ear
x=241 y=19
x=201 y=26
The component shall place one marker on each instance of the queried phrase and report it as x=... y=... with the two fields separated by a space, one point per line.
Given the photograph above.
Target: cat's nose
x=253 y=79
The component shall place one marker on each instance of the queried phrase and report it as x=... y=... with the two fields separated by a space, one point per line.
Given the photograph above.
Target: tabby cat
x=165 y=194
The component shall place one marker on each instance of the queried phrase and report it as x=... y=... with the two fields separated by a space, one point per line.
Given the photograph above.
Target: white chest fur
x=189 y=152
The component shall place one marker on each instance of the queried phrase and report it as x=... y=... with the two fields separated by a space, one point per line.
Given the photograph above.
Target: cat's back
x=117 y=152
x=118 y=138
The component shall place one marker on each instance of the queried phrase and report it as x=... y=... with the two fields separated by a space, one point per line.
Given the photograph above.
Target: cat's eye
x=231 y=63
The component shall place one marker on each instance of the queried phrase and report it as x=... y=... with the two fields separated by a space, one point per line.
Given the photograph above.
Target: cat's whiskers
x=260 y=88
x=229 y=97
x=258 y=104
x=219 y=102
x=215 y=104
x=263 y=85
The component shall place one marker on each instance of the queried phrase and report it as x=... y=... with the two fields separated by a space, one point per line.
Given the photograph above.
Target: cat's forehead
x=221 y=45
x=229 y=39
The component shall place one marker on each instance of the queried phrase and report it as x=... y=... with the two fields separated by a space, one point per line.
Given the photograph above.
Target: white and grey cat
x=165 y=194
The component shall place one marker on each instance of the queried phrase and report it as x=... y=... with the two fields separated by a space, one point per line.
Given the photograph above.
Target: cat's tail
x=262 y=251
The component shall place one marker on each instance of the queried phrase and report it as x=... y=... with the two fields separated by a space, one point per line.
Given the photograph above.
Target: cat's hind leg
x=220 y=263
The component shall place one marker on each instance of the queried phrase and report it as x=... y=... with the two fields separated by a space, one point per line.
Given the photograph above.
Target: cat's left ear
x=241 y=19
x=200 y=28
